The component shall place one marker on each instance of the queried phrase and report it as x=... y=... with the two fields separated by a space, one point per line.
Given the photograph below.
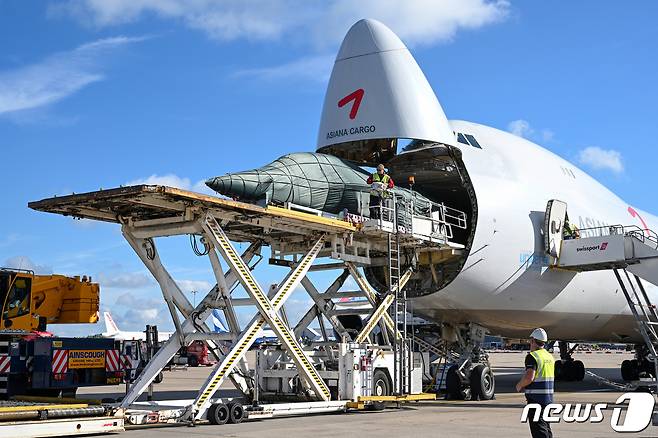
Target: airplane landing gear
x=470 y=377
x=639 y=367
x=566 y=368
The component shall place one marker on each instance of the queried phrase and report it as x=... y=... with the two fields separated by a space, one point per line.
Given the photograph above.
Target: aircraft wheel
x=192 y=361
x=626 y=370
x=159 y=378
x=568 y=371
x=483 y=384
x=634 y=370
x=456 y=390
x=218 y=413
x=236 y=412
x=579 y=370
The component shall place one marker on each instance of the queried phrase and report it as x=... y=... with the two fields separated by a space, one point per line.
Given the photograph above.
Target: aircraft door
x=556 y=214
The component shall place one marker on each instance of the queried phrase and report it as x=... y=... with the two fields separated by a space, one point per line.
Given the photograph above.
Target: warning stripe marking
x=112 y=360
x=127 y=362
x=267 y=307
x=60 y=363
x=5 y=364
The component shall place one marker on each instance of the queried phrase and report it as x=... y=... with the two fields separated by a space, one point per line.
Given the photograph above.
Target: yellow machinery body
x=30 y=302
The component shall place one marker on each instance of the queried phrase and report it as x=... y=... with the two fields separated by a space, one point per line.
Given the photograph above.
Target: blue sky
x=97 y=94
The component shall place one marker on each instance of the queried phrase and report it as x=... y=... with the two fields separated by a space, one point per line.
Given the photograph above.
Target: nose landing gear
x=566 y=368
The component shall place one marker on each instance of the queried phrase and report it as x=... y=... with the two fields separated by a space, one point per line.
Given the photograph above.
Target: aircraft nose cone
x=367 y=37
x=249 y=185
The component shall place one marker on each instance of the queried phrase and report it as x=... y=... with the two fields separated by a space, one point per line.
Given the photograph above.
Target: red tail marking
x=634 y=213
x=355 y=96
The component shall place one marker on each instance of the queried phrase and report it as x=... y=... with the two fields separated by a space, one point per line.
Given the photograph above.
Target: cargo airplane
x=377 y=99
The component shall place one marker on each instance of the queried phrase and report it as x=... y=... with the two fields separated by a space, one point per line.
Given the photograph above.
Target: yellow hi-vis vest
x=380 y=179
x=541 y=389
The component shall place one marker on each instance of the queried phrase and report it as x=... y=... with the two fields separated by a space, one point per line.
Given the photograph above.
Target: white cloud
x=57 y=76
x=601 y=159
x=520 y=128
x=319 y=26
x=319 y=23
x=23 y=262
x=315 y=68
x=172 y=180
x=417 y=22
x=124 y=280
x=169 y=179
x=197 y=285
x=547 y=135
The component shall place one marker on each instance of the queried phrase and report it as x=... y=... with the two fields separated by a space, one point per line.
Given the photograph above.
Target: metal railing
x=644 y=235
x=403 y=211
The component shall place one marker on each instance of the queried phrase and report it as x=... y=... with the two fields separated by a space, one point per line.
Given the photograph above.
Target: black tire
x=579 y=370
x=568 y=371
x=558 y=370
x=192 y=361
x=218 y=413
x=483 y=383
x=159 y=378
x=453 y=383
x=634 y=370
x=235 y=412
x=625 y=370
x=381 y=385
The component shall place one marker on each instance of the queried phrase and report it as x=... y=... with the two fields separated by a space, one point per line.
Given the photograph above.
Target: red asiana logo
x=357 y=97
x=604 y=245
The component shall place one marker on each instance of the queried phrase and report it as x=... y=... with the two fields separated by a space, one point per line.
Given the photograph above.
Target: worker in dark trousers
x=380 y=186
x=537 y=381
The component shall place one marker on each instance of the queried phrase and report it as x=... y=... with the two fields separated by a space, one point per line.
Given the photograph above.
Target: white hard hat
x=539 y=334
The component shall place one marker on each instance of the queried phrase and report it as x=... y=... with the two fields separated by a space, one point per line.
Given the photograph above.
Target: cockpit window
x=461 y=138
x=473 y=141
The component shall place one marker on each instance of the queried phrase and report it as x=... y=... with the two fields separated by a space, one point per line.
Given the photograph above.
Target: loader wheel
x=218 y=413
x=236 y=412
x=380 y=386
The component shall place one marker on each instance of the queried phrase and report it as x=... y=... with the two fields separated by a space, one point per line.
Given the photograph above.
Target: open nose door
x=554 y=220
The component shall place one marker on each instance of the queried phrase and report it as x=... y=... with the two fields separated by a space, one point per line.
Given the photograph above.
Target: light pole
x=194 y=297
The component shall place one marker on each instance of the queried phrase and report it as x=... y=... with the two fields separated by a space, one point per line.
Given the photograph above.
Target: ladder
x=401 y=383
x=643 y=310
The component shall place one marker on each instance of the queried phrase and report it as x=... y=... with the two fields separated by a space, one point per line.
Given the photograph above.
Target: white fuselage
x=498 y=287
x=134 y=336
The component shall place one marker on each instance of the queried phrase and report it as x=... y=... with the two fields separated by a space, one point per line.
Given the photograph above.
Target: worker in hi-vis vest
x=380 y=186
x=537 y=381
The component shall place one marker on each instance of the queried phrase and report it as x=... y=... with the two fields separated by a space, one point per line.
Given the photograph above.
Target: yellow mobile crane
x=30 y=302
x=37 y=363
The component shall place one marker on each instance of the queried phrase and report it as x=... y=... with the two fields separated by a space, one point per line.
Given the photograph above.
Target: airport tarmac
x=495 y=418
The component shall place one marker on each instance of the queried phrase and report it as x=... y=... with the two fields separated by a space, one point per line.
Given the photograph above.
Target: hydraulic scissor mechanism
x=362 y=348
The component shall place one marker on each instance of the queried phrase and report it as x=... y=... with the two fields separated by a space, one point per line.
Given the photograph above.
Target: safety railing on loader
x=644 y=235
x=420 y=217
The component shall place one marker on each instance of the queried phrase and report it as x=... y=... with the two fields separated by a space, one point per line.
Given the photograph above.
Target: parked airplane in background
x=112 y=331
